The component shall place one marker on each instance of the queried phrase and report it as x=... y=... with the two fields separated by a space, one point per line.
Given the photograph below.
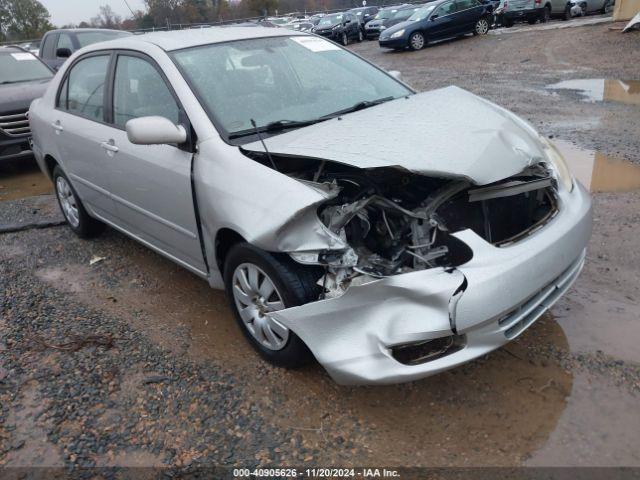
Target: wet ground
x=112 y=355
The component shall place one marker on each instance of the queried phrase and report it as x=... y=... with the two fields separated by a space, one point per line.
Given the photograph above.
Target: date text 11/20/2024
x=315 y=473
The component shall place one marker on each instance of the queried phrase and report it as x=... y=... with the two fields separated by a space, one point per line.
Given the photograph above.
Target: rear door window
x=84 y=88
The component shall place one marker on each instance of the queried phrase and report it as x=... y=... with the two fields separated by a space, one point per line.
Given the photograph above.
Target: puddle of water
x=21 y=181
x=603 y=89
x=598 y=172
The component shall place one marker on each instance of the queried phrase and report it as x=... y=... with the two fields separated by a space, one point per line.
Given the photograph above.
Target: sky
x=75 y=11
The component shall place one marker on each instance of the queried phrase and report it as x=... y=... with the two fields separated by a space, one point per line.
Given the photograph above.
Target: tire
x=482 y=26
x=292 y=284
x=583 y=11
x=546 y=14
x=360 y=36
x=566 y=15
x=417 y=41
x=532 y=20
x=72 y=209
x=345 y=39
x=605 y=7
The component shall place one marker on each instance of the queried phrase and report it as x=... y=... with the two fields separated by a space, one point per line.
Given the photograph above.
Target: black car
x=439 y=20
x=23 y=78
x=58 y=45
x=389 y=18
x=364 y=14
x=340 y=27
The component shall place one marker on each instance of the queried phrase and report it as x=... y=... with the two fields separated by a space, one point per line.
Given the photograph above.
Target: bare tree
x=106 y=18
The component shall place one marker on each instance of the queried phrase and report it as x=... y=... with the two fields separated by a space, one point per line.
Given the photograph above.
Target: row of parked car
x=414 y=25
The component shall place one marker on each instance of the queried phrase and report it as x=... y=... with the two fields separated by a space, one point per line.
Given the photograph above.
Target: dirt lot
x=169 y=380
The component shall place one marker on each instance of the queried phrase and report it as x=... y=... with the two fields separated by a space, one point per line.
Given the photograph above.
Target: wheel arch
x=225 y=239
x=50 y=163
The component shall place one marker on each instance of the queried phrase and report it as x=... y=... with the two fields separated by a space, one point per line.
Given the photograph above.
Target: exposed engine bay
x=396 y=221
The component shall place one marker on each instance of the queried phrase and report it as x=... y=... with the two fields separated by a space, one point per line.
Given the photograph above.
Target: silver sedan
x=387 y=233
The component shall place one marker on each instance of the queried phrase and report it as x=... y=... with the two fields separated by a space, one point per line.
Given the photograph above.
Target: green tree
x=23 y=19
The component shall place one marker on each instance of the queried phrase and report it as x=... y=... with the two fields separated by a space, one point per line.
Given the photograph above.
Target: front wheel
x=481 y=27
x=74 y=212
x=417 y=41
x=360 y=36
x=259 y=283
x=345 y=39
x=566 y=15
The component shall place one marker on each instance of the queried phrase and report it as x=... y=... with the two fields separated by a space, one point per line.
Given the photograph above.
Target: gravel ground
x=131 y=360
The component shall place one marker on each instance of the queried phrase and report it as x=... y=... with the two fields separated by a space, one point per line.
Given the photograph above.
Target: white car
x=387 y=233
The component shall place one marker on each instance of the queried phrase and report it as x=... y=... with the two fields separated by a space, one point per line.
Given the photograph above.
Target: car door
x=151 y=185
x=79 y=125
x=47 y=48
x=441 y=21
x=467 y=14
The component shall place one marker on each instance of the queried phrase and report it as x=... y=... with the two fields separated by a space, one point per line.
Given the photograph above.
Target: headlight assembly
x=556 y=159
x=397 y=34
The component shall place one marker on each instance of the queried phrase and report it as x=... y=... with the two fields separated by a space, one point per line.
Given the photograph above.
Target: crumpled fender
x=349 y=332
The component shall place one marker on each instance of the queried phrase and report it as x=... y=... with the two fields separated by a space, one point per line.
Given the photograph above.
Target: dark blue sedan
x=438 y=20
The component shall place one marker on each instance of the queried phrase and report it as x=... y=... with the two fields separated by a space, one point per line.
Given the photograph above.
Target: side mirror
x=155 y=131
x=395 y=74
x=63 y=53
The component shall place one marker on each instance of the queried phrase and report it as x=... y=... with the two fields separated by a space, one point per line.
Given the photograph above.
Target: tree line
x=29 y=19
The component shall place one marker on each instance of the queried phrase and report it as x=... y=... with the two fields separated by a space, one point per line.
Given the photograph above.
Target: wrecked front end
x=424 y=273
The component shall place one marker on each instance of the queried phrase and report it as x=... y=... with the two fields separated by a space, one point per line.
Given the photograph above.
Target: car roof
x=81 y=30
x=179 y=39
x=14 y=49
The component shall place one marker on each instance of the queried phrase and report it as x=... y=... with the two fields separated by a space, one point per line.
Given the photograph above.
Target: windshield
x=297 y=79
x=87 y=38
x=403 y=14
x=330 y=20
x=384 y=14
x=18 y=66
x=421 y=13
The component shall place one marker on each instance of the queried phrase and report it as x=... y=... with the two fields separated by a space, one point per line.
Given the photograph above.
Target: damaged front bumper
x=484 y=303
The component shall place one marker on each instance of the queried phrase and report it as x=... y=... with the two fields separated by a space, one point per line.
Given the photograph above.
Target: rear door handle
x=57 y=126
x=110 y=146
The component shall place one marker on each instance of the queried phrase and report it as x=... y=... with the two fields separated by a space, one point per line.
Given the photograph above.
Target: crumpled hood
x=443 y=133
x=18 y=96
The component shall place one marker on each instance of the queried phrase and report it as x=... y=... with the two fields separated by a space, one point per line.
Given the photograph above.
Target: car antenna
x=253 y=122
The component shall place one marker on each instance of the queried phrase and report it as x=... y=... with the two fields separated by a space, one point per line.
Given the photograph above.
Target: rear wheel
x=481 y=27
x=74 y=212
x=345 y=39
x=546 y=15
x=566 y=15
x=605 y=7
x=417 y=41
x=360 y=36
x=259 y=283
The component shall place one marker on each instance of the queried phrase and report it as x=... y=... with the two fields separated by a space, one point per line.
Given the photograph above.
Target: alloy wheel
x=255 y=296
x=417 y=41
x=67 y=201
x=482 y=26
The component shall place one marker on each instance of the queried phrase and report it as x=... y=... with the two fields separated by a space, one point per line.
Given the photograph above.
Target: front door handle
x=57 y=126
x=110 y=146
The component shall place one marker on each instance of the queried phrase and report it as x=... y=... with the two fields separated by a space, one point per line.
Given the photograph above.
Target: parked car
x=510 y=11
x=33 y=47
x=247 y=158
x=340 y=27
x=373 y=27
x=402 y=14
x=438 y=20
x=58 y=45
x=23 y=78
x=579 y=7
x=364 y=14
